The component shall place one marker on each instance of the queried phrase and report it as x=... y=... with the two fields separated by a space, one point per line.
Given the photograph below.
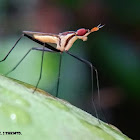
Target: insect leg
x=57 y=90
x=12 y=48
x=40 y=69
x=97 y=79
x=39 y=42
x=37 y=49
x=43 y=50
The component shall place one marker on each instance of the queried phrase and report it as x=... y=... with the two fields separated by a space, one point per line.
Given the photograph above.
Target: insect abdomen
x=46 y=38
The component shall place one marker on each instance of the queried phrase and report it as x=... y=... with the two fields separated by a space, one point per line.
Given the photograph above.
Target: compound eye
x=81 y=32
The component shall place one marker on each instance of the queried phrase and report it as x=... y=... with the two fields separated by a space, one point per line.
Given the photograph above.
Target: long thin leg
x=40 y=70
x=12 y=48
x=57 y=90
x=37 y=41
x=38 y=49
x=46 y=47
x=92 y=68
x=43 y=50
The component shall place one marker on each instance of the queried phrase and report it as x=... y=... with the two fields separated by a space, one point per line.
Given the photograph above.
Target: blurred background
x=114 y=50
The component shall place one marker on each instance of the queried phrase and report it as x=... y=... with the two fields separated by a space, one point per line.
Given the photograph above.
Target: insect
x=64 y=42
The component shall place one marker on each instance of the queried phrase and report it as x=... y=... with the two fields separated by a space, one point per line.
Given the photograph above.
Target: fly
x=64 y=42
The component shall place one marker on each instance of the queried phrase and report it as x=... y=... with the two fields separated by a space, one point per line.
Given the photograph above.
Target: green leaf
x=41 y=116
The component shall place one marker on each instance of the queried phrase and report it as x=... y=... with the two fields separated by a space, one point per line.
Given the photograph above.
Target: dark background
x=114 y=51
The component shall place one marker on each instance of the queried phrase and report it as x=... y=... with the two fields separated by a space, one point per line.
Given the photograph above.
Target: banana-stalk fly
x=64 y=42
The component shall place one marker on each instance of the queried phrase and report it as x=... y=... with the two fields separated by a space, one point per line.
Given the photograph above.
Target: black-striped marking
x=67 y=41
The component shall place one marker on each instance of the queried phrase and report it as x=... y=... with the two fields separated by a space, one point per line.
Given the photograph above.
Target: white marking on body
x=84 y=38
x=70 y=43
x=63 y=39
x=72 y=40
x=46 y=38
